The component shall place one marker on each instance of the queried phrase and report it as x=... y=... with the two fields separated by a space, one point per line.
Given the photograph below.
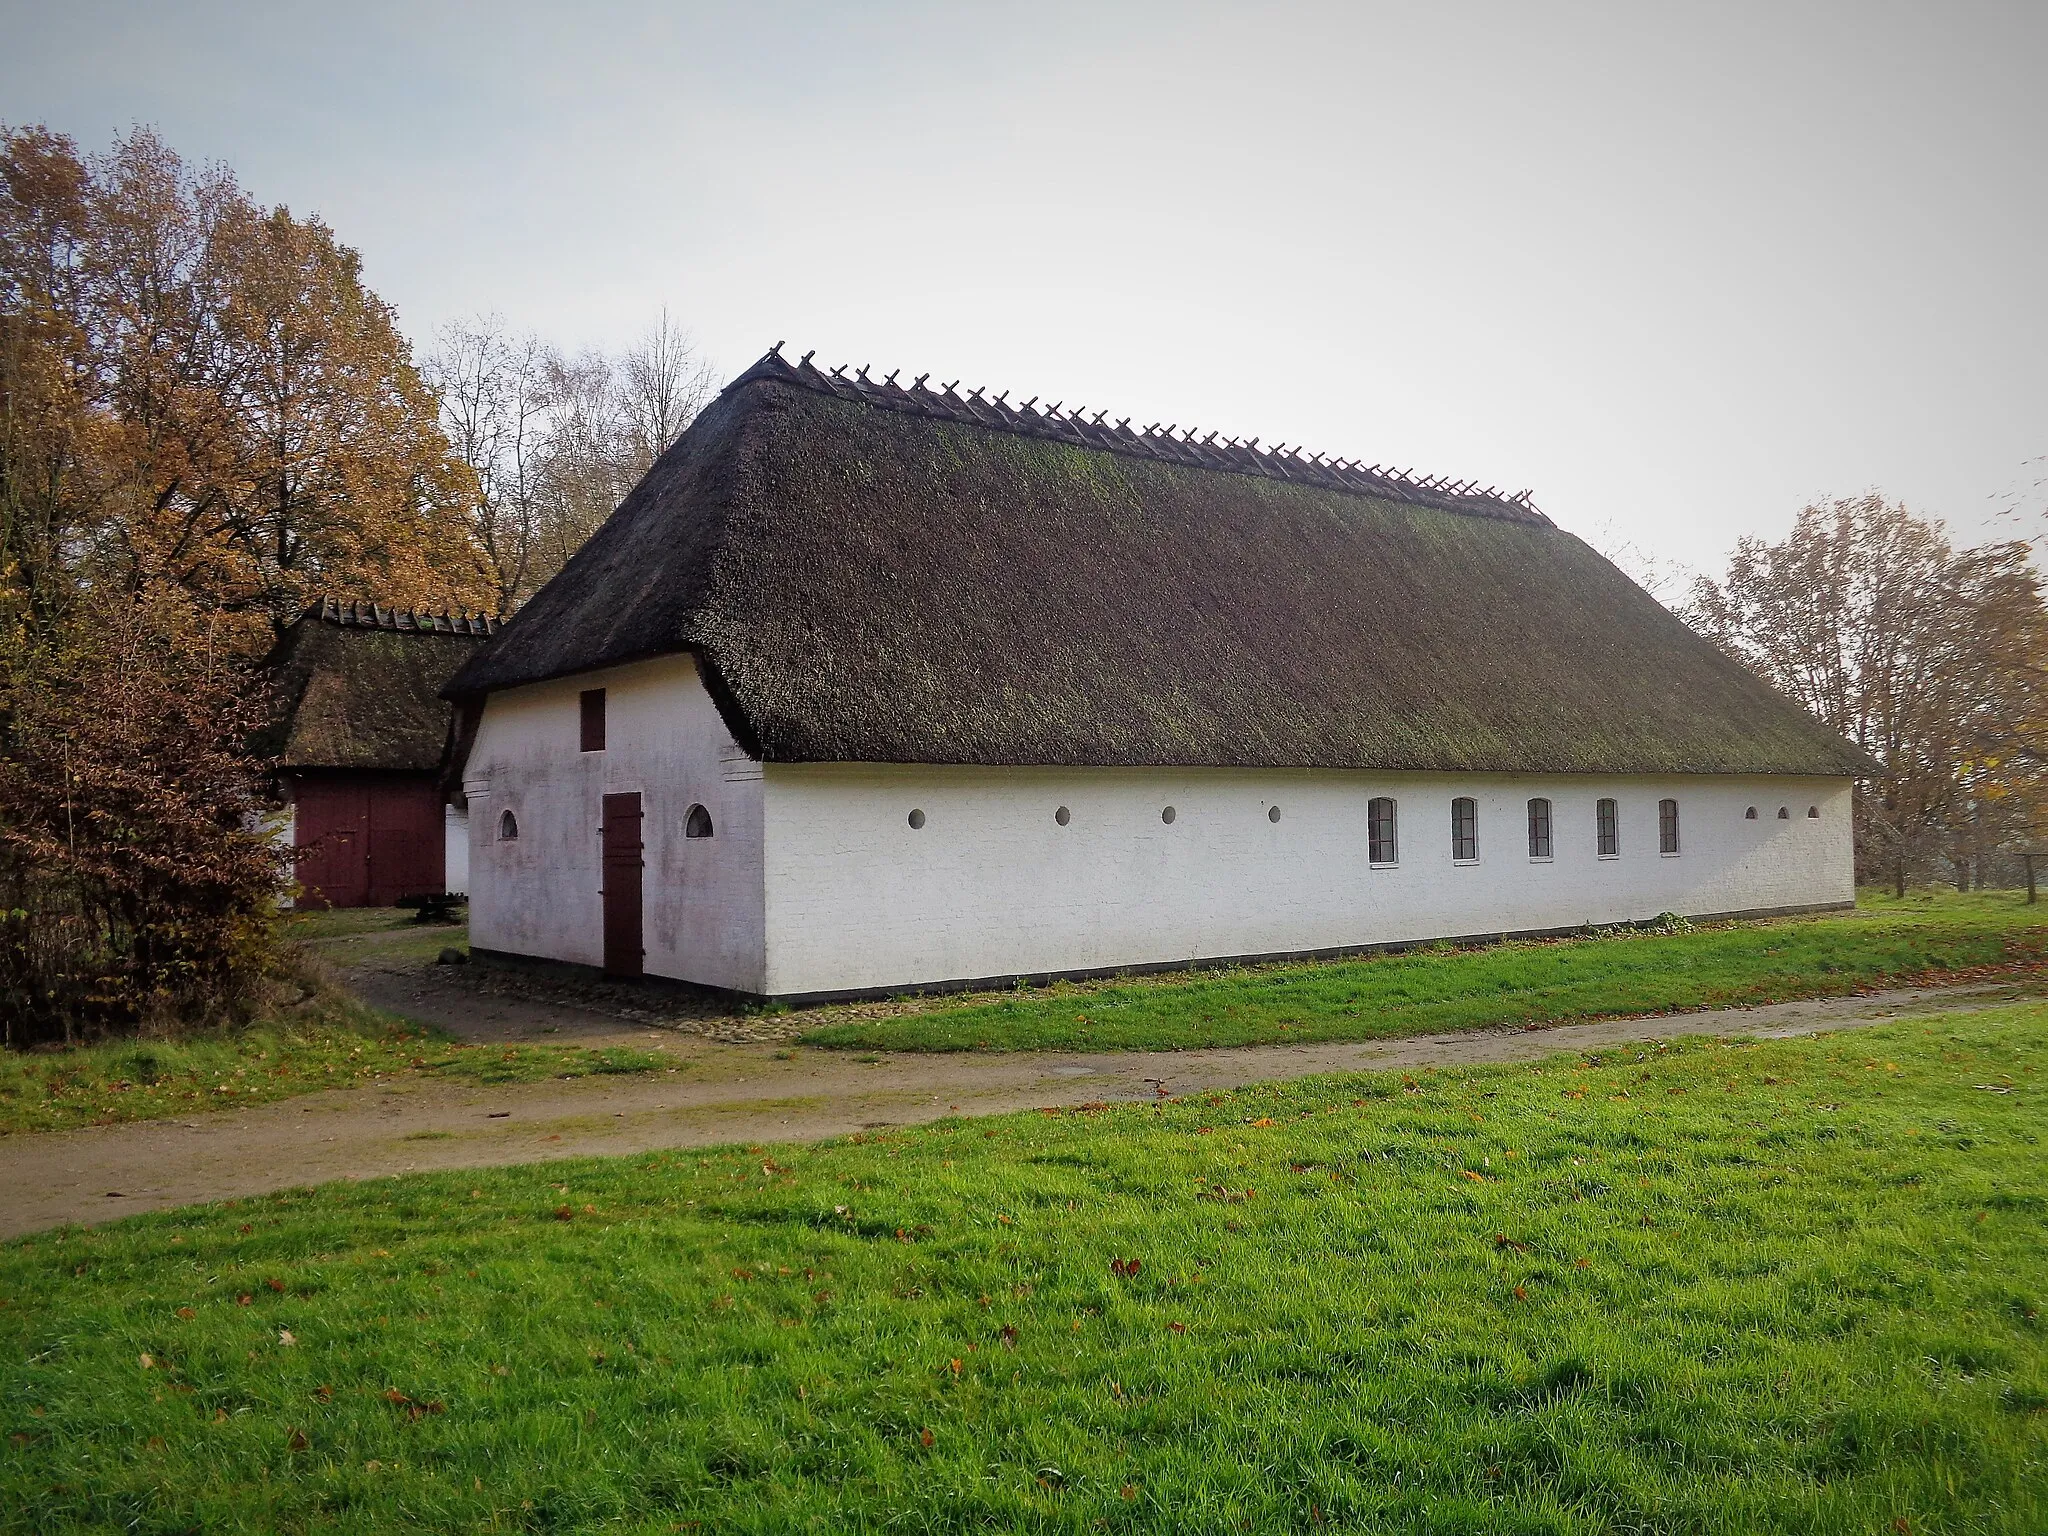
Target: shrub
x=138 y=883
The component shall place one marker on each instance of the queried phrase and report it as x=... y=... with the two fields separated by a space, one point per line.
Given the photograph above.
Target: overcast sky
x=1677 y=269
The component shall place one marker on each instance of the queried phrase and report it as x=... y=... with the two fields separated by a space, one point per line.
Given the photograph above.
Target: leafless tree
x=495 y=409
x=556 y=441
x=662 y=382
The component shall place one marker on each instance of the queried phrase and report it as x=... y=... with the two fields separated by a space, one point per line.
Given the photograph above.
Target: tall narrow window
x=1465 y=830
x=508 y=827
x=1380 y=847
x=592 y=700
x=1608 y=817
x=697 y=822
x=1667 y=826
x=1539 y=829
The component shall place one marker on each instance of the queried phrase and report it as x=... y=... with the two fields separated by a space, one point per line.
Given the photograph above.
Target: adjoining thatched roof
x=878 y=574
x=358 y=685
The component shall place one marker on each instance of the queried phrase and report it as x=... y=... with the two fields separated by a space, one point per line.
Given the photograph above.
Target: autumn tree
x=1926 y=656
x=210 y=395
x=206 y=417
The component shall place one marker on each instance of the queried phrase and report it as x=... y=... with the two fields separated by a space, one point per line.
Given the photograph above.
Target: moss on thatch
x=873 y=582
x=355 y=688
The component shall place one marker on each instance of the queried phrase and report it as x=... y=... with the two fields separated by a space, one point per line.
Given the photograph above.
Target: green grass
x=314 y=925
x=1715 y=1287
x=1924 y=938
x=331 y=1041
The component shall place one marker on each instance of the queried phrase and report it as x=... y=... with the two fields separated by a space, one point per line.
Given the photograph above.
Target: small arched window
x=508 y=827
x=1667 y=826
x=1784 y=814
x=1539 y=829
x=1750 y=814
x=1464 y=830
x=1813 y=813
x=1380 y=846
x=697 y=822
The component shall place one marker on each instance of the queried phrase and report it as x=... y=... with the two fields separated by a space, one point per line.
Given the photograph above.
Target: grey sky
x=1676 y=269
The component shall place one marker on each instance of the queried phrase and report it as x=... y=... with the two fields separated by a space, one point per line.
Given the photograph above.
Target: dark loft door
x=622 y=864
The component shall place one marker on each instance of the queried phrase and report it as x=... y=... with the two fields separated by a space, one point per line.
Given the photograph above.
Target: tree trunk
x=2027 y=859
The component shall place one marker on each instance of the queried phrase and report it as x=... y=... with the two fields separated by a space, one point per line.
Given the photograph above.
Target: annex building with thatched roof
x=358 y=739
x=872 y=686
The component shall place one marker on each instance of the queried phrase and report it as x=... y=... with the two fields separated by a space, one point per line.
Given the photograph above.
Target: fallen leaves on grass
x=415 y=1410
x=1126 y=1268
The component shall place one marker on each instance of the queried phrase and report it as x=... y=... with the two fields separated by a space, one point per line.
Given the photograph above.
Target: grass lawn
x=331 y=1041
x=1715 y=1287
x=1927 y=937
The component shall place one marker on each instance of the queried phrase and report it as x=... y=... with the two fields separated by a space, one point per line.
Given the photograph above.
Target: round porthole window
x=1167 y=815
x=1273 y=814
x=916 y=820
x=1063 y=815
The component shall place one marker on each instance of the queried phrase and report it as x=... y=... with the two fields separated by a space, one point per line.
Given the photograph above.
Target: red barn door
x=331 y=821
x=370 y=838
x=622 y=875
x=407 y=844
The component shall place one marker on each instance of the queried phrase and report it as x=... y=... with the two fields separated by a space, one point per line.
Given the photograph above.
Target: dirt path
x=722 y=1093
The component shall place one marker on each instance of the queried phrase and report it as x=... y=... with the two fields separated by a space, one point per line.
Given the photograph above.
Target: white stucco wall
x=455 y=849
x=539 y=894
x=993 y=886
x=281 y=826
x=815 y=881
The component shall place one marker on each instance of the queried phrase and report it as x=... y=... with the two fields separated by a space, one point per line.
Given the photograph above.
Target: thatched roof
x=358 y=686
x=868 y=572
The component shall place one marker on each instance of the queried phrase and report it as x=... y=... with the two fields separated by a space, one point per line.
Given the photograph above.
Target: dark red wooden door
x=331 y=821
x=622 y=869
x=407 y=845
x=371 y=840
